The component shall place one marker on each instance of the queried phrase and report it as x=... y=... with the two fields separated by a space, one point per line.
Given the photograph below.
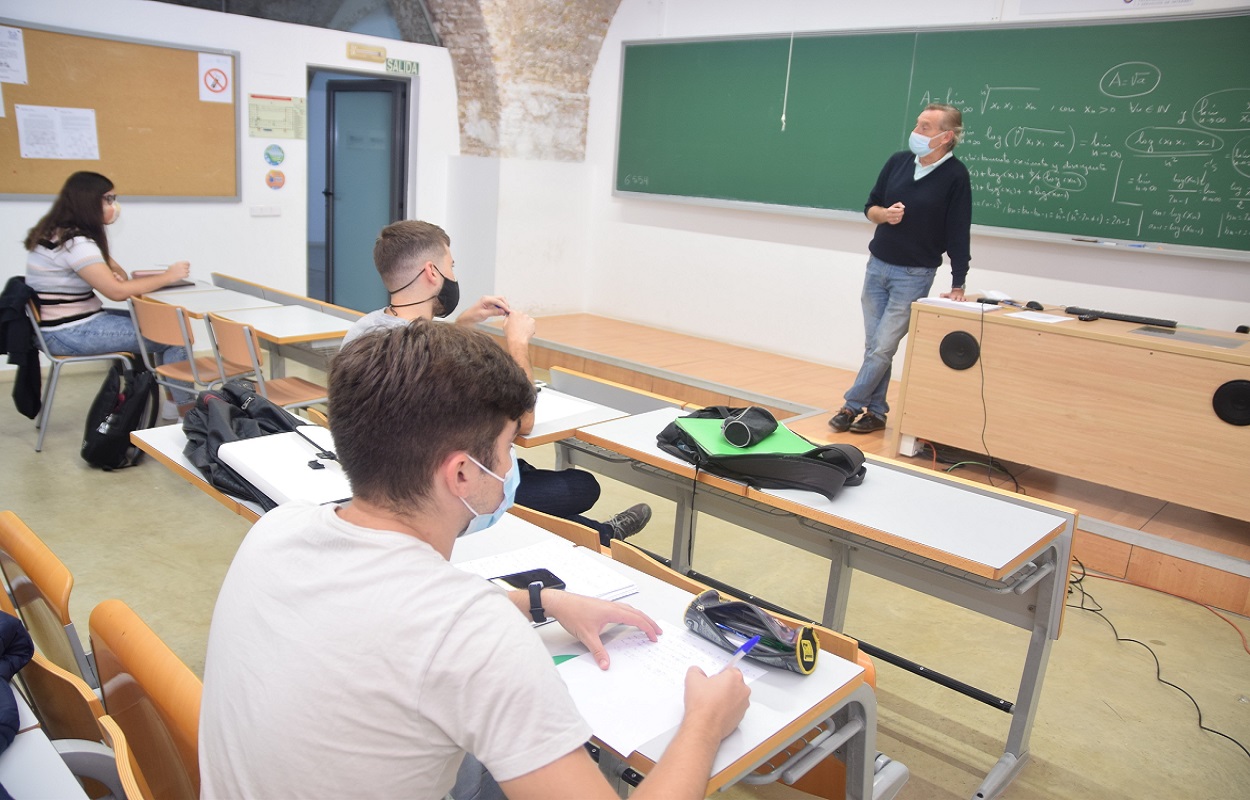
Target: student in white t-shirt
x=348 y=658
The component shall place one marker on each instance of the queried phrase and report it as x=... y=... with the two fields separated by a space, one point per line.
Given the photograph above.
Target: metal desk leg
x=683 y=533
x=839 y=590
x=1016 y=754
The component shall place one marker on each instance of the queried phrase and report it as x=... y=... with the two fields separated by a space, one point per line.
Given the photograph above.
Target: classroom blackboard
x=156 y=136
x=1136 y=132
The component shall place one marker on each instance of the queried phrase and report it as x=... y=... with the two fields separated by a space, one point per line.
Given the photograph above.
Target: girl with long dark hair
x=68 y=262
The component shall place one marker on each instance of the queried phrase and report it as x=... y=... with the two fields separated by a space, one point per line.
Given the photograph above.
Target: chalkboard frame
x=1144 y=246
x=101 y=165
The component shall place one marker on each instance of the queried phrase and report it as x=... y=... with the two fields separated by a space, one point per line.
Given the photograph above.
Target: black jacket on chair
x=17 y=336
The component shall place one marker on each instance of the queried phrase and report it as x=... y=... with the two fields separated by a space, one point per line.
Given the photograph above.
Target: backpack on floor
x=780 y=460
x=127 y=401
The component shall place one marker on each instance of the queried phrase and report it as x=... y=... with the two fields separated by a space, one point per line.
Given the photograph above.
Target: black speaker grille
x=959 y=350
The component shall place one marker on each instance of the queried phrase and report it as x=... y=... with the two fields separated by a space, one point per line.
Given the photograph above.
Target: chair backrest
x=162 y=322
x=66 y=705
x=165 y=324
x=40 y=586
x=129 y=771
x=152 y=696
x=236 y=343
x=316 y=417
x=565 y=528
x=33 y=313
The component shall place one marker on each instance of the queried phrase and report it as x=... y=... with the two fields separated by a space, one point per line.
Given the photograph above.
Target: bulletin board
x=156 y=136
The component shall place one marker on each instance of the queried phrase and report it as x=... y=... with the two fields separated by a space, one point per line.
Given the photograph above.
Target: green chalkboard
x=1135 y=132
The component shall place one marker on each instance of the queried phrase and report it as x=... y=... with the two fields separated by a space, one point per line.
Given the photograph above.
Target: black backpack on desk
x=824 y=469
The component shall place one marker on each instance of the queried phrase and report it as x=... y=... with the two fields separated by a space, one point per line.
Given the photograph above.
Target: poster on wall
x=64 y=133
x=273 y=117
x=216 y=78
x=12 y=55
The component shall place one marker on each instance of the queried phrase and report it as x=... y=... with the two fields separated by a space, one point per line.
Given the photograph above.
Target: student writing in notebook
x=414 y=261
x=348 y=658
x=68 y=263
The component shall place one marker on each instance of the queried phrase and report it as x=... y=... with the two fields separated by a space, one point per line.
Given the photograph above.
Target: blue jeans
x=889 y=291
x=113 y=332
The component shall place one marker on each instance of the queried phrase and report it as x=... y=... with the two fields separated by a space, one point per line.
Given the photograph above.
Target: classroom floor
x=1105 y=729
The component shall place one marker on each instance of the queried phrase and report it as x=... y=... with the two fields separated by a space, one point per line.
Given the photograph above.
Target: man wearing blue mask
x=414 y=260
x=922 y=207
x=348 y=658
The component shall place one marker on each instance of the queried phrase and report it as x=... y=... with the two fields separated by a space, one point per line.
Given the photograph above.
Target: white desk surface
x=557 y=415
x=288 y=324
x=171 y=291
x=167 y=442
x=199 y=302
x=973 y=527
x=30 y=767
x=777 y=699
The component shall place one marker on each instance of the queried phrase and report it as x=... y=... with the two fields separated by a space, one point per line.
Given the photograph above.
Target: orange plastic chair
x=152 y=701
x=45 y=410
x=167 y=324
x=40 y=586
x=234 y=342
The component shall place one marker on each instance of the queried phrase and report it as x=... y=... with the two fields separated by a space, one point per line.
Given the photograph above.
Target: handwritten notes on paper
x=648 y=676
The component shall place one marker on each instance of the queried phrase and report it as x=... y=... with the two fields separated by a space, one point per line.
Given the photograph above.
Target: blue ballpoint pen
x=740 y=652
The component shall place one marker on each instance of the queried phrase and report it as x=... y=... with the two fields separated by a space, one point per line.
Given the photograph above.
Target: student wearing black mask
x=415 y=263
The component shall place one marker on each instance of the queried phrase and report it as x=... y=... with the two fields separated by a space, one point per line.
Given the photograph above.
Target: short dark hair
x=406 y=244
x=77 y=211
x=403 y=398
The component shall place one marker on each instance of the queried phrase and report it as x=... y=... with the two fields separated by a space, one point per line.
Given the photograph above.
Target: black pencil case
x=729 y=623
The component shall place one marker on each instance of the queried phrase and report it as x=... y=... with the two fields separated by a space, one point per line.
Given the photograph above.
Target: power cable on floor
x=1077 y=583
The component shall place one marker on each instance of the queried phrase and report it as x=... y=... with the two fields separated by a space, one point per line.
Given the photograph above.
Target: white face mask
x=117 y=212
x=480 y=521
x=919 y=144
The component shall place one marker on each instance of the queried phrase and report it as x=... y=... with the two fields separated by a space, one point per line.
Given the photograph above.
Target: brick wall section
x=522 y=71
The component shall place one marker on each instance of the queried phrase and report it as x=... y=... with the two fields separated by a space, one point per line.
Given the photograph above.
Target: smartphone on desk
x=522 y=580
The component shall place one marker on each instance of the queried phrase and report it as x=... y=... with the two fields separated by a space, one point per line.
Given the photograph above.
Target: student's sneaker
x=868 y=423
x=630 y=521
x=842 y=420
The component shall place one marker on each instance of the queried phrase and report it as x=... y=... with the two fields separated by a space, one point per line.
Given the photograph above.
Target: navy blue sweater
x=936 y=216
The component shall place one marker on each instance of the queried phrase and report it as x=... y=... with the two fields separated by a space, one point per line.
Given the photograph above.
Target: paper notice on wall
x=216 y=78
x=12 y=55
x=50 y=132
x=277 y=117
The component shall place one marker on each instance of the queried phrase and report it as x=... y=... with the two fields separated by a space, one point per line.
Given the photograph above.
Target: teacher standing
x=922 y=206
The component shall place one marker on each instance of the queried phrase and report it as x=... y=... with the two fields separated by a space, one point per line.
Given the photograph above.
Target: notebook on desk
x=287 y=466
x=147 y=273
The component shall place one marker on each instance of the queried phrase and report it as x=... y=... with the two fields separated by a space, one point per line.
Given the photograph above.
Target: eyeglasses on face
x=110 y=199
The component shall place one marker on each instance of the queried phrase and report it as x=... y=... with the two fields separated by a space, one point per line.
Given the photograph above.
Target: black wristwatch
x=536 y=602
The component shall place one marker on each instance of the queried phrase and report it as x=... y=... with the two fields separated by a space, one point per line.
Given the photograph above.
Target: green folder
x=707 y=435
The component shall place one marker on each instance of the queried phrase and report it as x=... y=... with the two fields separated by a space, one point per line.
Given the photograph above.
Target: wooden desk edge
x=195 y=480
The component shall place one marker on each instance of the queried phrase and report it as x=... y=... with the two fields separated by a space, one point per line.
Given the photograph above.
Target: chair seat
x=205 y=365
x=294 y=391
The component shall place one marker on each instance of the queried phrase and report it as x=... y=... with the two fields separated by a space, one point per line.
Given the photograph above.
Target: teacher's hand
x=954 y=294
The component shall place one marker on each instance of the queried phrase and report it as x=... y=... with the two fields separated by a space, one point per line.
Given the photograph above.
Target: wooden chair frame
x=286 y=392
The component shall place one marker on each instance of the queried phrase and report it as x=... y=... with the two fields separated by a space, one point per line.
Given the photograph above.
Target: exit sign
x=401 y=66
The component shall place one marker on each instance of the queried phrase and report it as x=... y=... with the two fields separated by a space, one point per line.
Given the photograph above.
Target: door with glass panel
x=366 y=171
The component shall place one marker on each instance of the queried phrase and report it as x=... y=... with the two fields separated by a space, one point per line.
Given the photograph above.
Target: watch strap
x=536 y=602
